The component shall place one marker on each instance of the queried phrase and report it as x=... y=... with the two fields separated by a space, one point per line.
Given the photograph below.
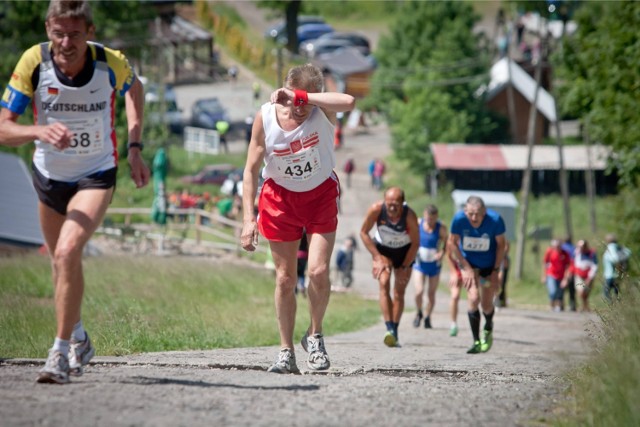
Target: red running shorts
x=283 y=214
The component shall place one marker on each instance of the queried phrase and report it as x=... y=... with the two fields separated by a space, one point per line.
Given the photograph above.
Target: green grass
x=604 y=391
x=147 y=304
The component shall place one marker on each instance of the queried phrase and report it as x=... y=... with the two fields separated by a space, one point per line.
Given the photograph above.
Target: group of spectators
x=228 y=206
x=573 y=269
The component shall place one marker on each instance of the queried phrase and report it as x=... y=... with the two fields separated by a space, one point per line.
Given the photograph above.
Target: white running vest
x=301 y=159
x=87 y=111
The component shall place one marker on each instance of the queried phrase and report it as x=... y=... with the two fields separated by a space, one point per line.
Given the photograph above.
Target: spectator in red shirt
x=556 y=270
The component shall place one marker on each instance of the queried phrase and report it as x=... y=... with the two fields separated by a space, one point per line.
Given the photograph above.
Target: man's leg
x=473 y=297
x=453 y=306
x=66 y=237
x=402 y=277
x=319 y=289
x=431 y=298
x=320 y=247
x=571 y=286
x=66 y=240
x=286 y=262
x=418 y=283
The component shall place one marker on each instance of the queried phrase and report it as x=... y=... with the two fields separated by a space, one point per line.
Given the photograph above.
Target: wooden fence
x=172 y=237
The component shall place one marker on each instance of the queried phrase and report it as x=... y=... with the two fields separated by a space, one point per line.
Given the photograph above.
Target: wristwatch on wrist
x=138 y=145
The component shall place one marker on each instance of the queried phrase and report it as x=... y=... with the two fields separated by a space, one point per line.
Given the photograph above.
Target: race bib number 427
x=475 y=244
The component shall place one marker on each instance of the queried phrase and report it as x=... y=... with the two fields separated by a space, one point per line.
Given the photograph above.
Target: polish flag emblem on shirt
x=52 y=90
x=296 y=146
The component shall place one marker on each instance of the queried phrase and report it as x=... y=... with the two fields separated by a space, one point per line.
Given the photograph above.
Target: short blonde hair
x=306 y=77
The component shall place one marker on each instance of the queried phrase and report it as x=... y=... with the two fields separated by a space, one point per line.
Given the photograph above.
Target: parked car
x=356 y=40
x=278 y=32
x=153 y=98
x=211 y=174
x=320 y=46
x=312 y=31
x=206 y=112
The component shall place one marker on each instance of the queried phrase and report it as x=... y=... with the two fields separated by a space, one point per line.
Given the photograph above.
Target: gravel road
x=430 y=380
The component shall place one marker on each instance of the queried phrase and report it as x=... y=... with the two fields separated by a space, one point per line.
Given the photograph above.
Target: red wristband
x=301 y=98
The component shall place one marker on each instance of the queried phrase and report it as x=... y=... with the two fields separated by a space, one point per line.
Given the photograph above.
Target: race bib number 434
x=299 y=166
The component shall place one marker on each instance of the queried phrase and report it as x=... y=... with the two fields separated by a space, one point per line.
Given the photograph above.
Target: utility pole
x=590 y=181
x=526 y=177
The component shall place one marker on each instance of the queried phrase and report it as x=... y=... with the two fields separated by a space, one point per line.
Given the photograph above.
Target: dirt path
x=430 y=380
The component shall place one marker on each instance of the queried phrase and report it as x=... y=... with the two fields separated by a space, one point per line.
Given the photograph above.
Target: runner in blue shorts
x=433 y=241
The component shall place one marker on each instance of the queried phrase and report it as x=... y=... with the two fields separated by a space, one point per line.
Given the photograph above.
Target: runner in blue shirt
x=477 y=243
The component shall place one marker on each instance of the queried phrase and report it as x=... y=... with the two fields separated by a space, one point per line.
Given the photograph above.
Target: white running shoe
x=285 y=364
x=56 y=369
x=80 y=353
x=318 y=358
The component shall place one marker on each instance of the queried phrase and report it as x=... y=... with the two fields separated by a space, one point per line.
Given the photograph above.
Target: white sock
x=78 y=334
x=454 y=324
x=61 y=345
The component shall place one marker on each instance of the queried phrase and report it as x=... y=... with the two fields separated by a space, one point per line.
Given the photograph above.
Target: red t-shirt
x=556 y=261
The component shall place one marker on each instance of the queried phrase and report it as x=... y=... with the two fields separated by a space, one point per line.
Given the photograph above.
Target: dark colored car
x=356 y=40
x=212 y=174
x=206 y=112
x=279 y=31
x=314 y=48
x=312 y=31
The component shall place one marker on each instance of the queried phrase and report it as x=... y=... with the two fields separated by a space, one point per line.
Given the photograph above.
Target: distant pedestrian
x=372 y=167
x=337 y=136
x=248 y=123
x=344 y=262
x=303 y=257
x=555 y=270
x=222 y=126
x=569 y=248
x=349 y=167
x=256 y=94
x=233 y=73
x=379 y=169
x=614 y=261
x=585 y=267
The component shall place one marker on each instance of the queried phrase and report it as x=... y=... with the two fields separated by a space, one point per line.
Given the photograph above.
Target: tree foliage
x=599 y=79
x=431 y=66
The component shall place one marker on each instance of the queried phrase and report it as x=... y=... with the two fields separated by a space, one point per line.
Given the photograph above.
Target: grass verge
x=147 y=304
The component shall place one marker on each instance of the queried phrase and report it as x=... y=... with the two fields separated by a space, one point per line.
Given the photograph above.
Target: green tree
x=598 y=79
x=430 y=68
